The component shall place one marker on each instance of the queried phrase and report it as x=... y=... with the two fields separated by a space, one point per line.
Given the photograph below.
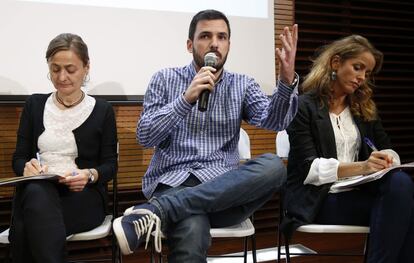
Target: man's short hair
x=208 y=14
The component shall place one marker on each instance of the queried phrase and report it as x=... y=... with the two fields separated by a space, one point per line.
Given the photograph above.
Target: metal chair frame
x=318 y=228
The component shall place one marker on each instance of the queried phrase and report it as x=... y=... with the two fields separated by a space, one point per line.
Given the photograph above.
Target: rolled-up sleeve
x=322 y=171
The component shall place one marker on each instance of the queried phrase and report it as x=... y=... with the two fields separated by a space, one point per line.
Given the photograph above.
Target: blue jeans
x=387 y=207
x=190 y=210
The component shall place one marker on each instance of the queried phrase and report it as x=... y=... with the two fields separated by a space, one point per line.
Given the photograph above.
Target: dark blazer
x=311 y=136
x=96 y=139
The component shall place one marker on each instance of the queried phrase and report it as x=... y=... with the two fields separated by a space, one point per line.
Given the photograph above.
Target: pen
x=40 y=162
x=370 y=144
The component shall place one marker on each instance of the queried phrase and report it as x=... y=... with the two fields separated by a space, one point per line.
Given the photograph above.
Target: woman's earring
x=86 y=80
x=333 y=75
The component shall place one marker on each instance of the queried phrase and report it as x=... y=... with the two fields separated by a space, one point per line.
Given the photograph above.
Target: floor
x=267 y=244
x=268 y=255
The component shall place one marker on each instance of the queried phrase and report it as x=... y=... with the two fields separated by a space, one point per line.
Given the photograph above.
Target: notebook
x=351 y=182
x=21 y=179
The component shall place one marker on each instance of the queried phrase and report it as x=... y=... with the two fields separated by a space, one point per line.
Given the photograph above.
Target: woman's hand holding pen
x=376 y=162
x=34 y=167
x=75 y=180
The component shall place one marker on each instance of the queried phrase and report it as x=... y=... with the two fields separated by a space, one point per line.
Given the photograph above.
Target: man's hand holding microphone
x=203 y=83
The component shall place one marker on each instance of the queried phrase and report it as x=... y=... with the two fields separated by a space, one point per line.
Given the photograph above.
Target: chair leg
x=279 y=244
x=152 y=256
x=116 y=251
x=253 y=239
x=287 y=249
x=366 y=248
x=245 y=250
x=113 y=246
x=119 y=255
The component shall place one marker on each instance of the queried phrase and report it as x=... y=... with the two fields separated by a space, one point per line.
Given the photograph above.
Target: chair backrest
x=282 y=144
x=244 y=145
x=4 y=237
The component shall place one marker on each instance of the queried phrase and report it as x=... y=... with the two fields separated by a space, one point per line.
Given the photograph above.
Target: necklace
x=70 y=105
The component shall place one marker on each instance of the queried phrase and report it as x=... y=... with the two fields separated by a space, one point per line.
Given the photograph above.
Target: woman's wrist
x=92 y=176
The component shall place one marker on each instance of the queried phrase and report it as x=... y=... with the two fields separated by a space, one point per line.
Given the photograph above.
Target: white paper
x=20 y=179
x=349 y=183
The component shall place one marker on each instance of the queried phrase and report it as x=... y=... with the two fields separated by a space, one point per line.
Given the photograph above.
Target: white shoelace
x=145 y=225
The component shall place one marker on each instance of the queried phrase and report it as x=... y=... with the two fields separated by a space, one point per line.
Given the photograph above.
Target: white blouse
x=57 y=145
x=348 y=142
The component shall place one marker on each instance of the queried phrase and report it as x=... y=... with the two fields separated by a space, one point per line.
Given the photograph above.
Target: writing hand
x=33 y=167
x=376 y=162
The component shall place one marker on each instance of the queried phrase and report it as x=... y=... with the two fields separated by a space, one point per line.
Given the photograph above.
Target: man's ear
x=335 y=62
x=190 y=45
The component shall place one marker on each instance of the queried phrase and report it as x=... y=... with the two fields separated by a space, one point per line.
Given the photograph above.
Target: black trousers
x=44 y=213
x=387 y=207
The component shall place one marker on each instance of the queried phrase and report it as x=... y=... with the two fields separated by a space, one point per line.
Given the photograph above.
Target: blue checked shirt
x=204 y=143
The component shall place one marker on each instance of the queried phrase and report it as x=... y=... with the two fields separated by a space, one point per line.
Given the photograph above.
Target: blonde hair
x=319 y=78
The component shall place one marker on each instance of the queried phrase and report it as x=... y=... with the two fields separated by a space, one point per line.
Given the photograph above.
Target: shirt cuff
x=322 y=171
x=285 y=91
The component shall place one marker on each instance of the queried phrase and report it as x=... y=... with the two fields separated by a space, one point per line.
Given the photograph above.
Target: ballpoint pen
x=40 y=162
x=370 y=144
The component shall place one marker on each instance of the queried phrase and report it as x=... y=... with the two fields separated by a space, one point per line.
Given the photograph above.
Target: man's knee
x=274 y=169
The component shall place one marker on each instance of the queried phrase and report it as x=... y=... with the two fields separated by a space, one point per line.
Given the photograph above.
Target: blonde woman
x=336 y=116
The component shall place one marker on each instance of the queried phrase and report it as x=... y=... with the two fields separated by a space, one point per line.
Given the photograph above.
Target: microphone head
x=210 y=59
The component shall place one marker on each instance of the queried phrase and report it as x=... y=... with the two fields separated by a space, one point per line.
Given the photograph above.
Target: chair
x=244 y=146
x=282 y=145
x=321 y=229
x=101 y=231
x=4 y=237
x=245 y=229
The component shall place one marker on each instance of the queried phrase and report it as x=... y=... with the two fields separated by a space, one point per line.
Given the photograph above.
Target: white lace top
x=348 y=142
x=57 y=145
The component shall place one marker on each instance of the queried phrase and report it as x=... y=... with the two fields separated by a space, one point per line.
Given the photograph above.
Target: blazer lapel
x=325 y=133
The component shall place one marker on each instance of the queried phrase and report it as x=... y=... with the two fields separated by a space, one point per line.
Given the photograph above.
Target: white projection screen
x=128 y=40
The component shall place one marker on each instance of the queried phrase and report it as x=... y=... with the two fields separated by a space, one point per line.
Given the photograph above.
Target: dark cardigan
x=96 y=139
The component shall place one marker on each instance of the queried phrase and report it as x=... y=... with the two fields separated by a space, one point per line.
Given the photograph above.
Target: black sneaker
x=131 y=228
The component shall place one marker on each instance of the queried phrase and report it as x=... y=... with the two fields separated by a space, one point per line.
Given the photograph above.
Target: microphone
x=210 y=59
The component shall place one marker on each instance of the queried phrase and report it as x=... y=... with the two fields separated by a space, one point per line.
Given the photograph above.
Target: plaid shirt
x=204 y=143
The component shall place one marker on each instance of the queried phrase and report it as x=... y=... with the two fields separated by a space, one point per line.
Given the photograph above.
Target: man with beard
x=194 y=180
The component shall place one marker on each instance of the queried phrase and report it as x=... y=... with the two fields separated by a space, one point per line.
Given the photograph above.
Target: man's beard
x=199 y=60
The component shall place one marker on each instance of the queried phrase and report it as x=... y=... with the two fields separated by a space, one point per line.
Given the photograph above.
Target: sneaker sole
x=120 y=236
